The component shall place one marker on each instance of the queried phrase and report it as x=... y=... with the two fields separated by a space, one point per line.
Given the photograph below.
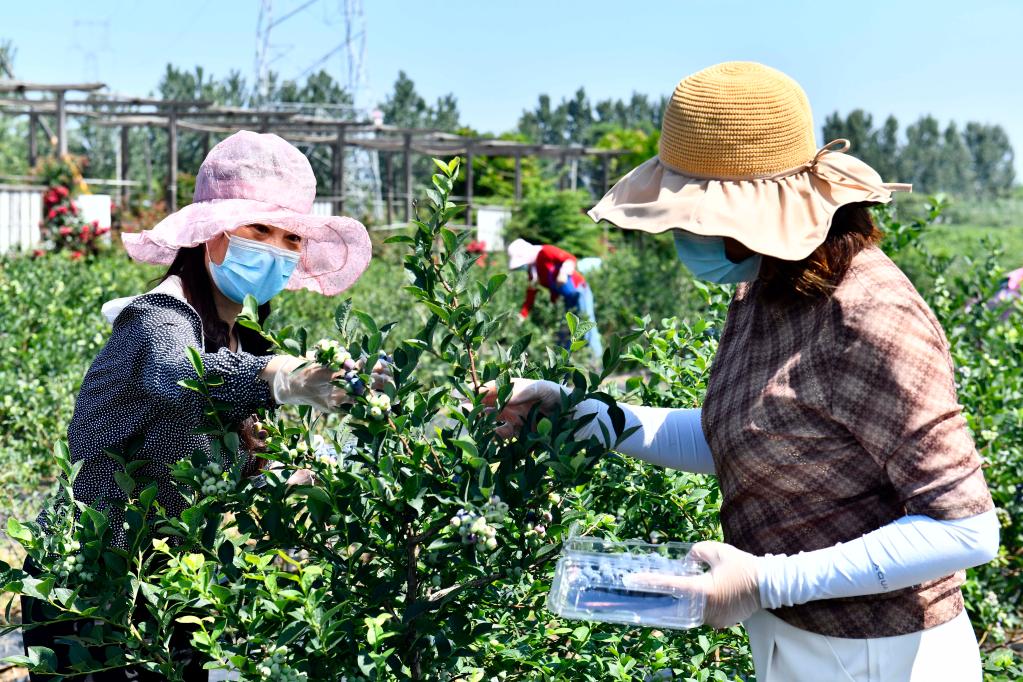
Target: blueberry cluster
x=331 y=353
x=355 y=384
x=379 y=405
x=74 y=564
x=325 y=453
x=212 y=481
x=475 y=529
x=496 y=510
x=603 y=573
x=274 y=668
x=536 y=524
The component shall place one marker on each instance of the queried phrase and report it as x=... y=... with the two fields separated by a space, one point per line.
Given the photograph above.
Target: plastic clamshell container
x=591 y=582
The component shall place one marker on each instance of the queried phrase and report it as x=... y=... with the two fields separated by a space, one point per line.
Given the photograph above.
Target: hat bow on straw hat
x=738 y=158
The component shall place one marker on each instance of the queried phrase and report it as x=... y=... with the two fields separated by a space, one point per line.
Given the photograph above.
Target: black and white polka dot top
x=131 y=394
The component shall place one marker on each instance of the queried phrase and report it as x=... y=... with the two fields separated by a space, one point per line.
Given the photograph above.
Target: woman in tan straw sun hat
x=853 y=496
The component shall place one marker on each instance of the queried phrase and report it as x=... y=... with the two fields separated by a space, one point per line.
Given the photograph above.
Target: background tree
x=955 y=170
x=992 y=158
x=921 y=157
x=888 y=149
x=13 y=130
x=406 y=108
x=858 y=128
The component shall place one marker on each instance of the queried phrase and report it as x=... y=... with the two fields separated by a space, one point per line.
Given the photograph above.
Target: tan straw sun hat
x=738 y=158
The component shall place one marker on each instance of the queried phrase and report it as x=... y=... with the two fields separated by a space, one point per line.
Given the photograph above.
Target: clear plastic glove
x=302 y=477
x=525 y=394
x=293 y=384
x=731 y=585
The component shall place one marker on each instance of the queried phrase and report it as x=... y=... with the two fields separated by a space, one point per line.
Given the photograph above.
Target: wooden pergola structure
x=336 y=134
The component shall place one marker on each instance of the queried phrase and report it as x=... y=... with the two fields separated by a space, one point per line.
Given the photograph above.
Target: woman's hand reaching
x=297 y=381
x=525 y=394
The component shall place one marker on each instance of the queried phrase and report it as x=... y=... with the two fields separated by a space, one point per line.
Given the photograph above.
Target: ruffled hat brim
x=786 y=216
x=335 y=250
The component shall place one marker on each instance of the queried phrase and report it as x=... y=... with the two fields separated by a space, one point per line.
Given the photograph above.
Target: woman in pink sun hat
x=249 y=232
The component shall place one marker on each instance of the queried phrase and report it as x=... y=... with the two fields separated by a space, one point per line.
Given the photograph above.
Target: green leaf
x=17 y=531
x=367 y=322
x=231 y=442
x=124 y=482
x=192 y=385
x=250 y=307
x=467 y=446
x=147 y=496
x=196 y=359
x=226 y=553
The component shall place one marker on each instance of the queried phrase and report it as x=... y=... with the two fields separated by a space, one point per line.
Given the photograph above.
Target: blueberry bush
x=422 y=546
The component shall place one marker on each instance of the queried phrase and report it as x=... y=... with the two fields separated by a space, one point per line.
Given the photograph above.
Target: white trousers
x=783 y=653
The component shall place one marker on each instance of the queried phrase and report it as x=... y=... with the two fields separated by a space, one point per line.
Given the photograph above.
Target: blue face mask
x=252 y=267
x=705 y=257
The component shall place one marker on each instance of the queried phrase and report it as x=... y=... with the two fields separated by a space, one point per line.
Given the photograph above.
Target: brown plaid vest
x=831 y=419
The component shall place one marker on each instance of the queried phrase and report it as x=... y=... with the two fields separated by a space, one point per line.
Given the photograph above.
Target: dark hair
x=817 y=275
x=190 y=265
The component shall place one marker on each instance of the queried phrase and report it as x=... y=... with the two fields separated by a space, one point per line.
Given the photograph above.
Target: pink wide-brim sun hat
x=260 y=179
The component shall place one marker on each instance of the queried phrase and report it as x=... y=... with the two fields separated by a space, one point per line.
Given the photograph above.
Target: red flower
x=37 y=253
x=52 y=214
x=62 y=209
x=62 y=190
x=51 y=197
x=95 y=224
x=65 y=231
x=74 y=208
x=76 y=255
x=102 y=231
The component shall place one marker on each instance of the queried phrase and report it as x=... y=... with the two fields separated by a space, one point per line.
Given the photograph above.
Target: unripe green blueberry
x=491 y=543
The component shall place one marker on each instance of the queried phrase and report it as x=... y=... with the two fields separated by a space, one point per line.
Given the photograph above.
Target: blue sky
x=955 y=60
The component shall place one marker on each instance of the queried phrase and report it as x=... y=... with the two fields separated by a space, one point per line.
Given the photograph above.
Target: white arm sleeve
x=666 y=437
x=907 y=551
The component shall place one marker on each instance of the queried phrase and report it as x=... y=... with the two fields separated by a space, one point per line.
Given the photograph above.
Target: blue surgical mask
x=252 y=267
x=705 y=257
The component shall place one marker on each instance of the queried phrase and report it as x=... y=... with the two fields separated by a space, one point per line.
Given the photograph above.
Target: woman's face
x=274 y=236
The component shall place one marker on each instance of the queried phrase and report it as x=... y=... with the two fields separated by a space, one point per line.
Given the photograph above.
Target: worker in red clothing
x=555 y=269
